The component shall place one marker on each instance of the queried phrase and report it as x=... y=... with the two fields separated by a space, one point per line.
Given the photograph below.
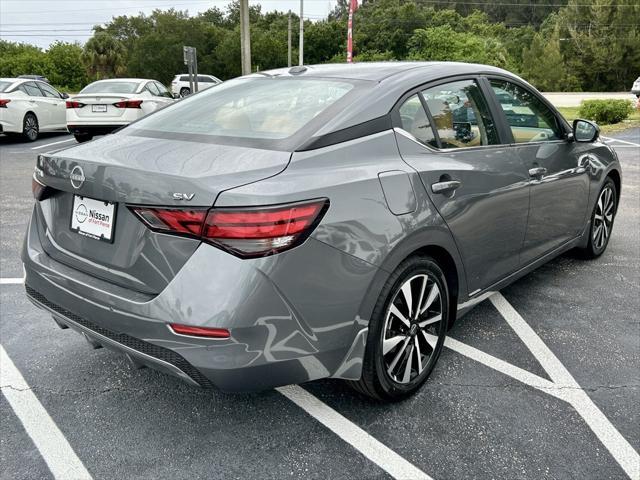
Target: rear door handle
x=445 y=187
x=537 y=172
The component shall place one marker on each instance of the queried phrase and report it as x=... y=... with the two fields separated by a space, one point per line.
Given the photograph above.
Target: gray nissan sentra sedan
x=320 y=221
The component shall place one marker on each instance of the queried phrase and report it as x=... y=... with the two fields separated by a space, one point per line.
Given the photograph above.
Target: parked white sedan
x=28 y=107
x=106 y=105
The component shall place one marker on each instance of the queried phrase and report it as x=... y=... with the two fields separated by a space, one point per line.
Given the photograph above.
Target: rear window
x=5 y=85
x=256 y=108
x=111 y=87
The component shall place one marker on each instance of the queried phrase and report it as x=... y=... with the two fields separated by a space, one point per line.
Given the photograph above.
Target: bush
x=605 y=111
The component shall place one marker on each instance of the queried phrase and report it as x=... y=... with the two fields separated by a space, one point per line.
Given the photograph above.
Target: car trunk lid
x=130 y=170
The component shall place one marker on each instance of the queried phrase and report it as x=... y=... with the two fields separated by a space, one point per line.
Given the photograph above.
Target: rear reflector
x=3 y=102
x=128 y=104
x=40 y=191
x=74 y=104
x=245 y=232
x=206 y=332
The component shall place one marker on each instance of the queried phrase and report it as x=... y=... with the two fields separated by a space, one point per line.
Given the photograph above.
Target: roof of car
x=387 y=83
x=125 y=80
x=379 y=71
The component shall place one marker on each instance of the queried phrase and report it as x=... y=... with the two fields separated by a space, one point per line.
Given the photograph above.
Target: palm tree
x=104 y=56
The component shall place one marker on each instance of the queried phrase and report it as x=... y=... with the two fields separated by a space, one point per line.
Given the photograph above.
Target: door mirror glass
x=64 y=95
x=585 y=131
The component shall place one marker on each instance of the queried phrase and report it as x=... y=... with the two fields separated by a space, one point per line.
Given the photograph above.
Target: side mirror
x=585 y=131
x=64 y=96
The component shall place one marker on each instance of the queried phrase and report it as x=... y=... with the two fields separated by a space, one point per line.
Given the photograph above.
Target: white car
x=106 y=105
x=180 y=84
x=635 y=89
x=28 y=107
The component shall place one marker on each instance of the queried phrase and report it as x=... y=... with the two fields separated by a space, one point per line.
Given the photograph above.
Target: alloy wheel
x=31 y=127
x=603 y=218
x=411 y=328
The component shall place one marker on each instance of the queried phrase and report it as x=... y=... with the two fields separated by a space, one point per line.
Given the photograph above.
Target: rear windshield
x=255 y=108
x=5 y=85
x=111 y=87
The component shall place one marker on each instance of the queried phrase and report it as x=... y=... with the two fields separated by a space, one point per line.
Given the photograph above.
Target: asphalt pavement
x=498 y=405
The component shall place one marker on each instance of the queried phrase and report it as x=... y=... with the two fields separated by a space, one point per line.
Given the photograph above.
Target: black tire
x=30 y=128
x=376 y=381
x=609 y=202
x=83 y=137
x=184 y=91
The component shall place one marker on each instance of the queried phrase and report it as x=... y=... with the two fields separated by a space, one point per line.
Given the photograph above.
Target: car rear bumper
x=94 y=129
x=280 y=334
x=10 y=121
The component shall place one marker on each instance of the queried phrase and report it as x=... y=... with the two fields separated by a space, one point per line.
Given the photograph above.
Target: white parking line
x=54 y=143
x=48 y=439
x=621 y=141
x=617 y=445
x=378 y=453
x=11 y=281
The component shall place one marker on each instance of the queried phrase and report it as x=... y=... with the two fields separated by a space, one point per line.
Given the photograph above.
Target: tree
x=544 y=66
x=104 y=56
x=601 y=41
x=444 y=43
x=66 y=67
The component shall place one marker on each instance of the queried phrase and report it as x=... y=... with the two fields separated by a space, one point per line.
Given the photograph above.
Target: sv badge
x=183 y=196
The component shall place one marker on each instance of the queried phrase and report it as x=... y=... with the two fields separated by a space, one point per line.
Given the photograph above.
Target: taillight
x=128 y=104
x=172 y=220
x=74 y=104
x=245 y=232
x=207 y=332
x=3 y=102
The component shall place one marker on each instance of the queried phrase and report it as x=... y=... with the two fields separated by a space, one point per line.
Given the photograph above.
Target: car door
x=37 y=104
x=56 y=105
x=447 y=133
x=558 y=173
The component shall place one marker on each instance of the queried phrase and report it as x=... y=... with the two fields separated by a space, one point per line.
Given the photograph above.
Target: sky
x=41 y=22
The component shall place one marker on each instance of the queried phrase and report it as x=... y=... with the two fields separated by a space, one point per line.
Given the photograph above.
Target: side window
x=203 y=79
x=528 y=117
x=414 y=120
x=461 y=115
x=32 y=89
x=48 y=90
x=152 y=88
x=184 y=78
x=162 y=90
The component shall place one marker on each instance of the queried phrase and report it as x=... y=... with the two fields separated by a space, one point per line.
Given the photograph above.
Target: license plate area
x=92 y=218
x=99 y=108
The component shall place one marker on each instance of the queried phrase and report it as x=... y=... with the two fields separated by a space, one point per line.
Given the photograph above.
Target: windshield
x=251 y=108
x=5 y=85
x=111 y=87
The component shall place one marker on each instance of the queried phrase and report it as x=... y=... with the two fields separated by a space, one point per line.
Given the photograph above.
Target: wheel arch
x=435 y=243
x=614 y=174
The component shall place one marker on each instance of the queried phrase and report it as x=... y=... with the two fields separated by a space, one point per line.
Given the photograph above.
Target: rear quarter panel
x=359 y=222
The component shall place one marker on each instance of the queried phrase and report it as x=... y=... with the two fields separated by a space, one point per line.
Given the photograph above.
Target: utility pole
x=301 y=45
x=245 y=37
x=289 y=41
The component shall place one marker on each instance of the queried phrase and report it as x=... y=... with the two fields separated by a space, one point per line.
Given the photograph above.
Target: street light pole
x=289 y=41
x=245 y=37
x=301 y=46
